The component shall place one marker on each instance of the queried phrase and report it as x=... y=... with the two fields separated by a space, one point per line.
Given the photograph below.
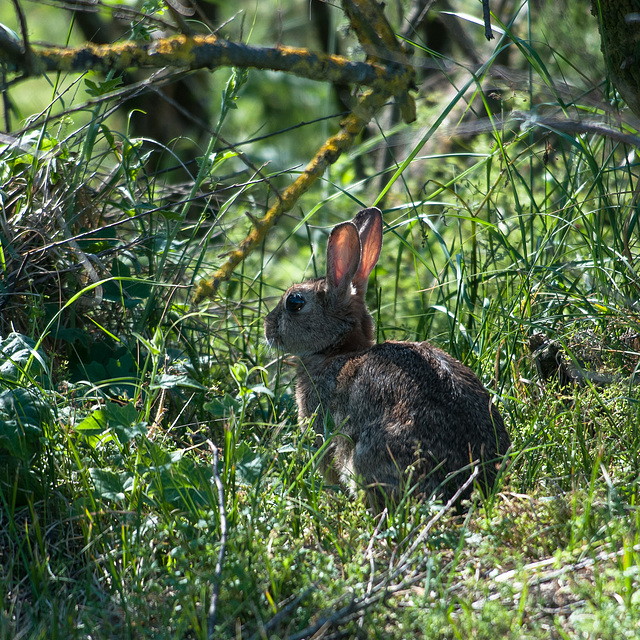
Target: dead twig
x=385 y=585
x=223 y=542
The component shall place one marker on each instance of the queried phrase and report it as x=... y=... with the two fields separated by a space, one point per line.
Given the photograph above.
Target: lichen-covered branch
x=373 y=31
x=379 y=41
x=198 y=52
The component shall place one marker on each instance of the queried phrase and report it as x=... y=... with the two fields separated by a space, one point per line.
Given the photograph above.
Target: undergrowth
x=154 y=481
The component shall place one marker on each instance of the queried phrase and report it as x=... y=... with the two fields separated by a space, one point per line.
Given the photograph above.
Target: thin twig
x=416 y=17
x=369 y=554
x=223 y=541
x=284 y=612
x=447 y=507
x=486 y=14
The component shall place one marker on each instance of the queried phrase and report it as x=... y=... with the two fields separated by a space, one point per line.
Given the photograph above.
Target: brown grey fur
x=400 y=411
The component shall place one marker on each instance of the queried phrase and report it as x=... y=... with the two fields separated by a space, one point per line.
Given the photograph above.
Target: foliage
x=25 y=414
x=510 y=209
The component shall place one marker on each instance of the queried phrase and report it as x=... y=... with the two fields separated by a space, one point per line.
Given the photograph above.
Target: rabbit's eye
x=294 y=302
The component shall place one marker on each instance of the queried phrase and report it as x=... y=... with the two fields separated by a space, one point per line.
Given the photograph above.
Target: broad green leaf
x=23 y=414
x=108 y=485
x=18 y=356
x=120 y=420
x=221 y=407
x=170 y=381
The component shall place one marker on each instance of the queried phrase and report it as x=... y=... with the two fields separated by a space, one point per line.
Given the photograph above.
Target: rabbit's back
x=400 y=405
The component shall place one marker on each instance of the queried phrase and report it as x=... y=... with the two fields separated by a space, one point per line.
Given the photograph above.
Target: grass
x=157 y=484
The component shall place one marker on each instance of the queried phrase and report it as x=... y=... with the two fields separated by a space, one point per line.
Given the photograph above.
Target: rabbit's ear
x=343 y=257
x=369 y=224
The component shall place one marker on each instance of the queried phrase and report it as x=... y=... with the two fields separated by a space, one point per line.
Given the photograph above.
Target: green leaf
x=122 y=421
x=171 y=381
x=260 y=388
x=221 y=407
x=251 y=464
x=23 y=414
x=19 y=356
x=101 y=88
x=177 y=479
x=108 y=485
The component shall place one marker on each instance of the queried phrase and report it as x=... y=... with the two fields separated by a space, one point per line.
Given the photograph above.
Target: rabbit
x=401 y=412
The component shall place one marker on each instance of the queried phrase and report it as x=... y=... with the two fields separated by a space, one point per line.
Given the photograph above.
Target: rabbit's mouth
x=272 y=336
x=273 y=342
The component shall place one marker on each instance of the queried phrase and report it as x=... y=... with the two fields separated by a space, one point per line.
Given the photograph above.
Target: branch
x=378 y=39
x=198 y=52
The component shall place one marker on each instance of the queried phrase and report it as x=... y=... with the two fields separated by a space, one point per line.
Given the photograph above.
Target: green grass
x=155 y=482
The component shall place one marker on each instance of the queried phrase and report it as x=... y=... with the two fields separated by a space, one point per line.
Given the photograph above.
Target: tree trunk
x=619 y=23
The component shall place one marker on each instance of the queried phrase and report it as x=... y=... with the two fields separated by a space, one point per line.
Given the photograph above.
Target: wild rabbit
x=399 y=411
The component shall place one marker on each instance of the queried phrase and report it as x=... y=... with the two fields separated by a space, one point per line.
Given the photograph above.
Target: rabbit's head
x=329 y=315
